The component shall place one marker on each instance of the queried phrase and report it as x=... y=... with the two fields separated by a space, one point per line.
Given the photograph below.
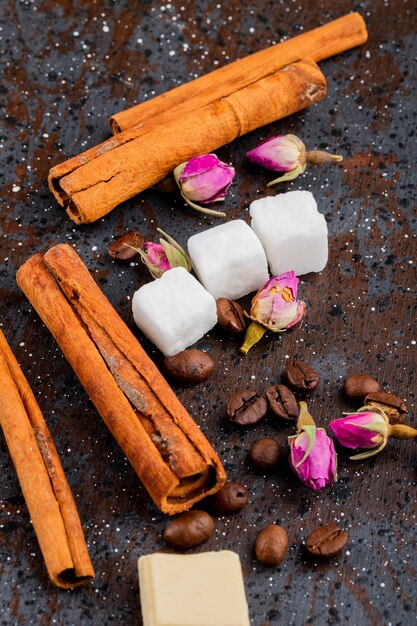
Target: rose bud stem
x=287 y=176
x=201 y=209
x=304 y=418
x=315 y=157
x=253 y=334
x=401 y=431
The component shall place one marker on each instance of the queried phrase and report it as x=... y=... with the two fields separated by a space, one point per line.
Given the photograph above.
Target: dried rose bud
x=156 y=257
x=163 y=256
x=312 y=454
x=204 y=179
x=369 y=429
x=274 y=307
x=287 y=153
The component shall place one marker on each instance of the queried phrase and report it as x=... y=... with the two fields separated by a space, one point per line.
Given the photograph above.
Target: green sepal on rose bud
x=176 y=255
x=163 y=256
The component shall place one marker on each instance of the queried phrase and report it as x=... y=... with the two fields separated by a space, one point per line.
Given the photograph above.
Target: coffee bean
x=265 y=454
x=230 y=316
x=391 y=404
x=271 y=545
x=120 y=250
x=282 y=402
x=301 y=376
x=246 y=407
x=189 y=367
x=189 y=529
x=230 y=498
x=357 y=386
x=326 y=541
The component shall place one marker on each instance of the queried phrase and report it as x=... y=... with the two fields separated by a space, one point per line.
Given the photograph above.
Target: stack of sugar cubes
x=231 y=260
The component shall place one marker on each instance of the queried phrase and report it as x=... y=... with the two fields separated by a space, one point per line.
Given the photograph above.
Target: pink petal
x=156 y=255
x=198 y=165
x=275 y=306
x=206 y=179
x=349 y=433
x=279 y=154
x=319 y=468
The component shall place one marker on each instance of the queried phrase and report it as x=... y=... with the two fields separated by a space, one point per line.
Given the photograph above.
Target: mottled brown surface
x=66 y=66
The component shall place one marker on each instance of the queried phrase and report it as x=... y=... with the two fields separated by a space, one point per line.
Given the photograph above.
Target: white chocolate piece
x=203 y=589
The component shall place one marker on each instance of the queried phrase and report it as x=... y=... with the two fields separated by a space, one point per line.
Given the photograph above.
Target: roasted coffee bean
x=326 y=541
x=265 y=454
x=301 y=376
x=189 y=529
x=230 y=316
x=230 y=498
x=391 y=404
x=246 y=407
x=271 y=545
x=357 y=386
x=282 y=402
x=189 y=367
x=120 y=250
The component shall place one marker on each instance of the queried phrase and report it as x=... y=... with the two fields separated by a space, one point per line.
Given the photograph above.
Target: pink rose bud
x=204 y=179
x=361 y=430
x=163 y=256
x=312 y=453
x=287 y=154
x=274 y=307
x=369 y=429
x=156 y=256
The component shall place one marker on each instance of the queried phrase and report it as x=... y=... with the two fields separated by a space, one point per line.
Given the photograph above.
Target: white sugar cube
x=229 y=260
x=174 y=311
x=292 y=231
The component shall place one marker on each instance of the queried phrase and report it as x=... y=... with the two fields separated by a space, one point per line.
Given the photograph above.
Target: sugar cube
x=174 y=311
x=292 y=231
x=229 y=260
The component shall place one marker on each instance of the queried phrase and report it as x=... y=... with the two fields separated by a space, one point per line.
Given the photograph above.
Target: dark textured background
x=65 y=67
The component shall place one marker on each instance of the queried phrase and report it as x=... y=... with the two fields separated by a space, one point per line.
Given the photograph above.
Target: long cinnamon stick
x=170 y=454
x=93 y=183
x=320 y=43
x=45 y=488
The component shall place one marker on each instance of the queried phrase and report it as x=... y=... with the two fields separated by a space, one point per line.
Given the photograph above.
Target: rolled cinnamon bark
x=45 y=488
x=320 y=43
x=93 y=183
x=172 y=457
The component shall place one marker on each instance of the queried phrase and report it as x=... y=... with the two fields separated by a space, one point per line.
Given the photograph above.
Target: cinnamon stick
x=45 y=488
x=93 y=183
x=170 y=454
x=320 y=43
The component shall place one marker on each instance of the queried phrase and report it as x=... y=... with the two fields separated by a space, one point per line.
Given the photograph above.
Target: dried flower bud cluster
x=204 y=179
